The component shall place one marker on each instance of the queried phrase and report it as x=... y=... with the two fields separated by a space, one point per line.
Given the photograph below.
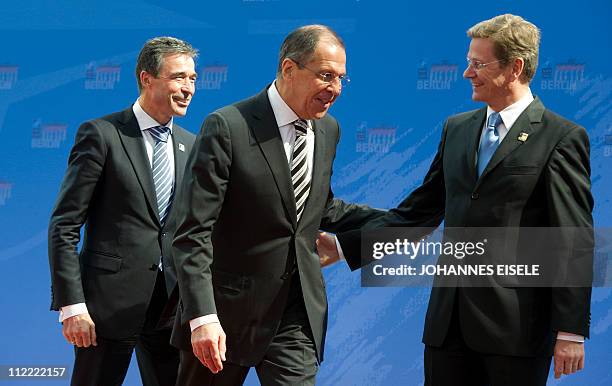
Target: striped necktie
x=162 y=177
x=489 y=143
x=299 y=167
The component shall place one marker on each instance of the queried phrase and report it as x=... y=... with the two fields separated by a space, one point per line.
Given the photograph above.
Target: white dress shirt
x=509 y=115
x=284 y=120
x=145 y=122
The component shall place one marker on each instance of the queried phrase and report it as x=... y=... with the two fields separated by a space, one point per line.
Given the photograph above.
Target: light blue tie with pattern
x=489 y=143
x=162 y=177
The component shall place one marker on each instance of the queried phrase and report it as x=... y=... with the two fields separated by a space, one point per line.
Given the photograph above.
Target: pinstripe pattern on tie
x=300 y=177
x=162 y=177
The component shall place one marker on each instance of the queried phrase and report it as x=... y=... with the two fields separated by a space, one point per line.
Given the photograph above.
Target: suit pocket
x=227 y=282
x=521 y=169
x=101 y=260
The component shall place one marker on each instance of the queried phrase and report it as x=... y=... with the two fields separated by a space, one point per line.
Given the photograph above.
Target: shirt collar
x=511 y=113
x=282 y=112
x=145 y=121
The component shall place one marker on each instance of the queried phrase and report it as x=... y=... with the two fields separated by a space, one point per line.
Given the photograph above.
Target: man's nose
x=469 y=72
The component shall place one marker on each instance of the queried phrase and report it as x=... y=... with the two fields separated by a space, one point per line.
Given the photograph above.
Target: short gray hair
x=301 y=44
x=152 y=54
x=513 y=38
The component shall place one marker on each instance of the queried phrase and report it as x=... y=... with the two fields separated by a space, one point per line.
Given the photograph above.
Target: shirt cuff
x=202 y=320
x=339 y=248
x=72 y=310
x=570 y=337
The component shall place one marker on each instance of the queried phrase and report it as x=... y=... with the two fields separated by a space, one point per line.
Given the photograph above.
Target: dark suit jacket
x=541 y=182
x=240 y=232
x=108 y=186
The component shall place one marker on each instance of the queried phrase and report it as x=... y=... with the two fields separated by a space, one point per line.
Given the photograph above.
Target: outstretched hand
x=326 y=247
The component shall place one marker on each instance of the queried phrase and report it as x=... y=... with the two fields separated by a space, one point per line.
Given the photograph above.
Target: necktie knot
x=301 y=127
x=494 y=121
x=160 y=133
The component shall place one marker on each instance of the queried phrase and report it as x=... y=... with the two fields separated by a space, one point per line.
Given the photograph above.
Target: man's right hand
x=326 y=248
x=80 y=330
x=208 y=342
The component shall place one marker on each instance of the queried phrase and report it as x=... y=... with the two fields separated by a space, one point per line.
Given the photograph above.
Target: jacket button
x=475 y=196
x=153 y=267
x=164 y=234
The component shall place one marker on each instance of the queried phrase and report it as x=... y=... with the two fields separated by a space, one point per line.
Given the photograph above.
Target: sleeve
x=206 y=178
x=423 y=208
x=85 y=165
x=570 y=206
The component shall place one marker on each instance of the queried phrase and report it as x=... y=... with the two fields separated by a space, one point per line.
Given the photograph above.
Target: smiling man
x=510 y=164
x=257 y=189
x=123 y=174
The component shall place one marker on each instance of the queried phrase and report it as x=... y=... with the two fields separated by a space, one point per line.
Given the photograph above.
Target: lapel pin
x=523 y=137
x=181 y=147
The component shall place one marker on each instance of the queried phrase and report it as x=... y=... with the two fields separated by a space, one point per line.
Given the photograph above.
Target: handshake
x=327 y=248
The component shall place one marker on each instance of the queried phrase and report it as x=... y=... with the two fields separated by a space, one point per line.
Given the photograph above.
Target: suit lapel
x=134 y=146
x=532 y=114
x=318 y=165
x=473 y=130
x=180 y=156
x=265 y=131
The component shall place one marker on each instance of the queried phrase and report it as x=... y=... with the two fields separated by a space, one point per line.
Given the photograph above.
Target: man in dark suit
x=511 y=164
x=123 y=174
x=257 y=190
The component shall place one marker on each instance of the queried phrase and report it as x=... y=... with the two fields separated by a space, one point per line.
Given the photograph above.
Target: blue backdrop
x=67 y=61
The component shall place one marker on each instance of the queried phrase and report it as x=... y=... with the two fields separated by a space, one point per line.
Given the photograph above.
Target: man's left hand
x=568 y=357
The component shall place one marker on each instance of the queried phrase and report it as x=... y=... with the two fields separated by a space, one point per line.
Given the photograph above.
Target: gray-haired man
x=257 y=189
x=123 y=174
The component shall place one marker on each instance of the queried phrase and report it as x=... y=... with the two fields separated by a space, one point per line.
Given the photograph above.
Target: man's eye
x=328 y=77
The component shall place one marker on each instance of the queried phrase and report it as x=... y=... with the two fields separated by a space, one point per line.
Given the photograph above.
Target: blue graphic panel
x=67 y=61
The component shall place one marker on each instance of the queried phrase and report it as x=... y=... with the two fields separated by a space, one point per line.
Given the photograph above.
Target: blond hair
x=513 y=37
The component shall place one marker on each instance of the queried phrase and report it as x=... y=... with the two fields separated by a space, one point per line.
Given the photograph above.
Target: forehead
x=177 y=63
x=329 y=53
x=482 y=49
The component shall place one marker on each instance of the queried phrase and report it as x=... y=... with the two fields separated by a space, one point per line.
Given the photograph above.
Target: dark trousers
x=289 y=360
x=455 y=364
x=107 y=363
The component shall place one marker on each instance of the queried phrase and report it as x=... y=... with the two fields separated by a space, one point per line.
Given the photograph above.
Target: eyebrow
x=184 y=74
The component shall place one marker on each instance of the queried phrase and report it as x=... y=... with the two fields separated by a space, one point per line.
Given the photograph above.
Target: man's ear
x=518 y=66
x=288 y=68
x=145 y=78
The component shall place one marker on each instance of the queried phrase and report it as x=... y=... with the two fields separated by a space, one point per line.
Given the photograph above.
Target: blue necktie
x=489 y=143
x=162 y=177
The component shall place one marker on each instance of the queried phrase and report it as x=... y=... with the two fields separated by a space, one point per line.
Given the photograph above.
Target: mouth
x=324 y=102
x=181 y=102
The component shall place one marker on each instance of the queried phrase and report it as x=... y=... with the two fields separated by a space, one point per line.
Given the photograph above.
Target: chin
x=181 y=112
x=319 y=114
